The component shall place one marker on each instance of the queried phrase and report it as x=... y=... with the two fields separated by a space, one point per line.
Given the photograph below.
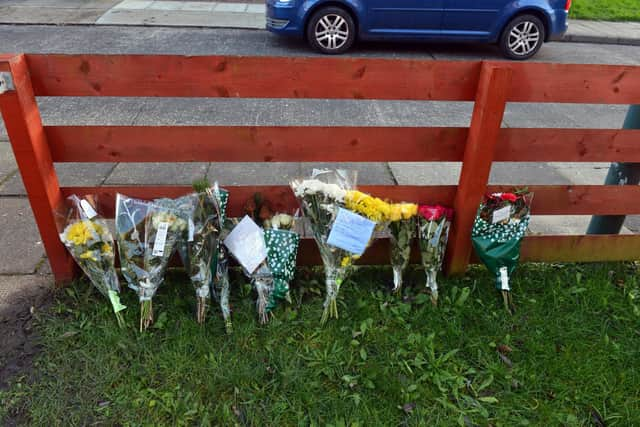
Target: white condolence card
x=246 y=243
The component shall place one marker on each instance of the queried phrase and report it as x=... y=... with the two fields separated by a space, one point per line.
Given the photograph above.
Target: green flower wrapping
x=500 y=225
x=498 y=245
x=282 y=251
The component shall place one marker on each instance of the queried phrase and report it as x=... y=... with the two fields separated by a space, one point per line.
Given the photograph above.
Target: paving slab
x=8 y=165
x=254 y=173
x=562 y=225
x=21 y=249
x=604 y=32
x=185 y=14
x=69 y=175
x=157 y=173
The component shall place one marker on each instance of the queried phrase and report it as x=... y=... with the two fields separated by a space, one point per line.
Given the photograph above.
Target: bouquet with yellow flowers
x=402 y=226
x=90 y=243
x=322 y=198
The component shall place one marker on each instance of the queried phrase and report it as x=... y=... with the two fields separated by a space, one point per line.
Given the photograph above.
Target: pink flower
x=432 y=213
x=509 y=197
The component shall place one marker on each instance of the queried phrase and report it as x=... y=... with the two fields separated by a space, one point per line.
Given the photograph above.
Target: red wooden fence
x=489 y=84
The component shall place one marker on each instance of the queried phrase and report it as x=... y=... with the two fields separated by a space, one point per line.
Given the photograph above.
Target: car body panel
x=445 y=20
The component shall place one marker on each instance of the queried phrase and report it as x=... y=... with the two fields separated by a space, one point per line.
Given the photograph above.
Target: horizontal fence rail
x=489 y=85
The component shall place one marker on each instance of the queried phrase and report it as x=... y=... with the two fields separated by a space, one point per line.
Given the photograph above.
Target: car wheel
x=331 y=30
x=522 y=37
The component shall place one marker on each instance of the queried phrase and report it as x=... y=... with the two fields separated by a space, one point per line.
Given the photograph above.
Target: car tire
x=522 y=37
x=331 y=30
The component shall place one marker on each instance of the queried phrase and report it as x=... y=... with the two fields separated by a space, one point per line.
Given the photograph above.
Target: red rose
x=449 y=214
x=510 y=197
x=431 y=213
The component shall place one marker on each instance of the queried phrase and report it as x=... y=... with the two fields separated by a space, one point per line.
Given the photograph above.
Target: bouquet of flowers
x=402 y=225
x=202 y=244
x=433 y=232
x=88 y=239
x=321 y=197
x=221 y=288
x=147 y=235
x=500 y=225
x=282 y=249
x=246 y=243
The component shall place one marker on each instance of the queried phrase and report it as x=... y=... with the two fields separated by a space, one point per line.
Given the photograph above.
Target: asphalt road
x=208 y=41
x=196 y=41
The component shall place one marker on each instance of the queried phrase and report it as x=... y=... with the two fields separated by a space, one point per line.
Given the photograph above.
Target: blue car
x=519 y=27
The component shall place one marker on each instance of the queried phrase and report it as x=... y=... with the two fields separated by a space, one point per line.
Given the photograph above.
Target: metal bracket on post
x=6 y=82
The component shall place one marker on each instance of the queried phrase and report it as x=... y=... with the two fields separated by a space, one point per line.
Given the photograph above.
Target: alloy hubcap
x=332 y=31
x=524 y=38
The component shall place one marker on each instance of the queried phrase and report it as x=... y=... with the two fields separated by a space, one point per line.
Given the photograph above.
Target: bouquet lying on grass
x=282 y=243
x=221 y=286
x=434 y=223
x=500 y=225
x=322 y=199
x=402 y=226
x=198 y=245
x=246 y=244
x=88 y=239
x=147 y=234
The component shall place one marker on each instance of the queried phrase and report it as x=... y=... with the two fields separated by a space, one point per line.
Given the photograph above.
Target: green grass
x=569 y=356
x=606 y=10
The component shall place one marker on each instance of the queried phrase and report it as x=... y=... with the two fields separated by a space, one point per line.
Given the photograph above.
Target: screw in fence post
x=619 y=174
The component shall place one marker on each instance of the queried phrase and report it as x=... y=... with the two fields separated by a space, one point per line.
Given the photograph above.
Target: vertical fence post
x=33 y=156
x=491 y=97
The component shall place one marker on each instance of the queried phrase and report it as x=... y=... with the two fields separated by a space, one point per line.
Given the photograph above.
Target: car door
x=405 y=17
x=471 y=17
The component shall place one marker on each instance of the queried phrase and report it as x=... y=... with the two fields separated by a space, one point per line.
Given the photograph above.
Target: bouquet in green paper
x=282 y=243
x=500 y=225
x=434 y=223
x=88 y=239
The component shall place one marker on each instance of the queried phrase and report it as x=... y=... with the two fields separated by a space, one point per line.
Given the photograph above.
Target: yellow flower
x=373 y=208
x=106 y=248
x=395 y=213
x=88 y=255
x=79 y=233
x=409 y=210
x=346 y=262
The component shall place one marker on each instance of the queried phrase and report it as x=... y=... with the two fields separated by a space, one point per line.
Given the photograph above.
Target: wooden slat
x=252 y=77
x=349 y=78
x=280 y=196
x=592 y=248
x=254 y=144
x=24 y=128
x=601 y=248
x=352 y=144
x=568 y=145
x=481 y=143
x=548 y=200
x=574 y=83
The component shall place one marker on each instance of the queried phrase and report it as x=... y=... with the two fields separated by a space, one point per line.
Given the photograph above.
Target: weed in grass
x=569 y=356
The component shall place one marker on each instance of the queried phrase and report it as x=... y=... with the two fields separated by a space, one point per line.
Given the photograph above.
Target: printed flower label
x=246 y=243
x=88 y=209
x=501 y=214
x=351 y=232
x=161 y=238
